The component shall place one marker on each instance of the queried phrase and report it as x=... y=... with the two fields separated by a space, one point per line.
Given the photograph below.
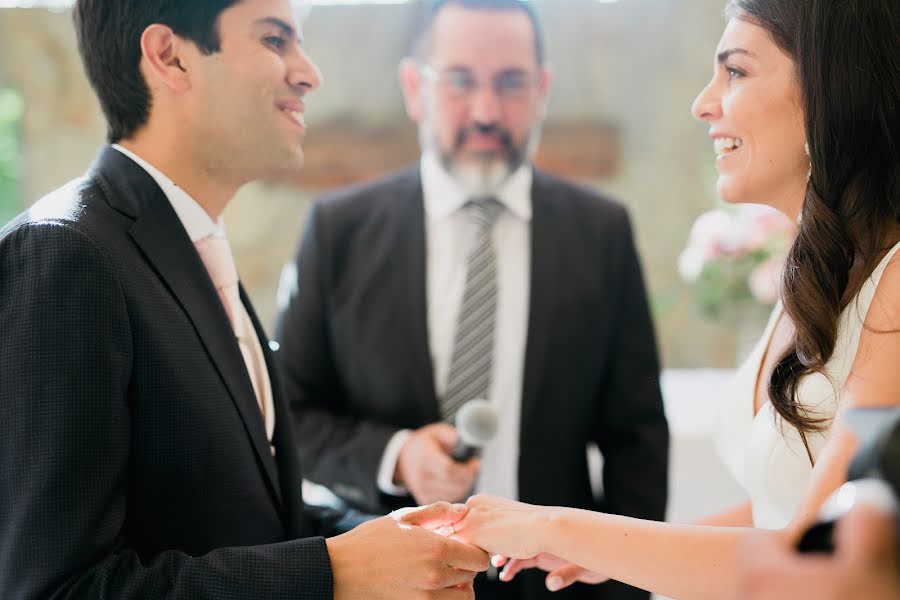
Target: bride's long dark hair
x=847 y=54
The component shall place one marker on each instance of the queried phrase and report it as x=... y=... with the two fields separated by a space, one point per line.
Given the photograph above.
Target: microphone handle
x=818 y=539
x=463 y=451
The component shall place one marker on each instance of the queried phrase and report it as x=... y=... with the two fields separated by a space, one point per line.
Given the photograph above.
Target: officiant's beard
x=481 y=173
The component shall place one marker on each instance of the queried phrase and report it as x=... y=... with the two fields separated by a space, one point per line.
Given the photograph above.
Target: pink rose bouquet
x=734 y=257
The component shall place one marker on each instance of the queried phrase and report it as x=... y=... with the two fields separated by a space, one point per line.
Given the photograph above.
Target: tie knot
x=485 y=211
x=217 y=258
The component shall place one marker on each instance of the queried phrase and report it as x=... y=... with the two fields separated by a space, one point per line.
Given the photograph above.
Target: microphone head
x=477 y=422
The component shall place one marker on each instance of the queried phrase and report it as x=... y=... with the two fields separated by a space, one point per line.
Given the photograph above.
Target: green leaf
x=11 y=107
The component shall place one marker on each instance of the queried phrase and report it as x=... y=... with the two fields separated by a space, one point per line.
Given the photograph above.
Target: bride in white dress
x=803 y=113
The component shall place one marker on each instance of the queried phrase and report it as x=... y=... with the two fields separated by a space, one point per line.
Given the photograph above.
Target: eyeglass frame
x=516 y=93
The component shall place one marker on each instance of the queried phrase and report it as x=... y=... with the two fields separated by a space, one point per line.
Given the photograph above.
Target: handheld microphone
x=477 y=423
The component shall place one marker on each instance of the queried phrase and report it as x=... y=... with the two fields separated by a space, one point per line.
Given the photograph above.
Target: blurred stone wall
x=637 y=64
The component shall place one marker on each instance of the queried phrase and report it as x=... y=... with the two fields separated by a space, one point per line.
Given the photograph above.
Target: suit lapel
x=409 y=217
x=288 y=463
x=159 y=234
x=544 y=267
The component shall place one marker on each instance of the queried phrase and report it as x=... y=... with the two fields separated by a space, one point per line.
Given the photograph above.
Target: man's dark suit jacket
x=133 y=460
x=357 y=365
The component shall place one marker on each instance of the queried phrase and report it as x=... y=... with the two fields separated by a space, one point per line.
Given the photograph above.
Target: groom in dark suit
x=472 y=275
x=147 y=451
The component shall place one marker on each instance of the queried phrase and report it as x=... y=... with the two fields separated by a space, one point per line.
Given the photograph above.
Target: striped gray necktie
x=470 y=366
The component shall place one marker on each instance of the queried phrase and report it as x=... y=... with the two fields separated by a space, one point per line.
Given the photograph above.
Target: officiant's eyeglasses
x=461 y=84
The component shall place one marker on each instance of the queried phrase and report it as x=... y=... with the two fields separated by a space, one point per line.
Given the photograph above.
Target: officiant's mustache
x=499 y=133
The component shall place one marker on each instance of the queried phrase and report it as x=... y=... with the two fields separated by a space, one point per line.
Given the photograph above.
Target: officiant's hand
x=425 y=466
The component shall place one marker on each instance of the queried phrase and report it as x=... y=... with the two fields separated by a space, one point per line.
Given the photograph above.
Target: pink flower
x=734 y=257
x=760 y=225
x=709 y=233
x=765 y=280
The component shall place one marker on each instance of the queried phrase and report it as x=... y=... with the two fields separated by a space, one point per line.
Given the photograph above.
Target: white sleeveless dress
x=766 y=457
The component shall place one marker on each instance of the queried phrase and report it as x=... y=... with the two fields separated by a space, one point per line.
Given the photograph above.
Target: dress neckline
x=760 y=352
x=759 y=356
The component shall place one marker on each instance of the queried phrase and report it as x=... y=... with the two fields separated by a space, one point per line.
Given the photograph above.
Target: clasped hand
x=401 y=556
x=514 y=533
x=436 y=550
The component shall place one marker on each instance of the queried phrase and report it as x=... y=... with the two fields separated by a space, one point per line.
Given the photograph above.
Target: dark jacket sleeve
x=65 y=363
x=633 y=434
x=338 y=450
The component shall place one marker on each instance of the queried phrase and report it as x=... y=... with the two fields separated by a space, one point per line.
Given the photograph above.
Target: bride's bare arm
x=563 y=574
x=694 y=561
x=681 y=561
x=736 y=516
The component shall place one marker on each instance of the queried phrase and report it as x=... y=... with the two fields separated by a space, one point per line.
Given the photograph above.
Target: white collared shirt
x=449 y=232
x=195 y=220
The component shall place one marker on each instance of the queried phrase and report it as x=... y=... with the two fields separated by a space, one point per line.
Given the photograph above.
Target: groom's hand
x=400 y=557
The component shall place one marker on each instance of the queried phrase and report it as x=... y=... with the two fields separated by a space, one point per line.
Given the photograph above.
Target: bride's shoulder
x=884 y=311
x=874 y=377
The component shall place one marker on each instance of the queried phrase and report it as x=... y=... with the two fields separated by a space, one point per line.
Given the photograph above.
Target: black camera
x=874 y=476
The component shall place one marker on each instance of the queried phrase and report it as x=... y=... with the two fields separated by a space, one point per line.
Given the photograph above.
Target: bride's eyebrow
x=724 y=55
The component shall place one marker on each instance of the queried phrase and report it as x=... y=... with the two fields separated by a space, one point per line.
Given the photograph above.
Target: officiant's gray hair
x=422 y=42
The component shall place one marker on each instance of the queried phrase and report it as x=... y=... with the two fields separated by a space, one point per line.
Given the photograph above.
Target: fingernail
x=554 y=584
x=459 y=508
x=496 y=560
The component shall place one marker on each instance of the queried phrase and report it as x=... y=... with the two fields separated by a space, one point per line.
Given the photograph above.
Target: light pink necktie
x=216 y=255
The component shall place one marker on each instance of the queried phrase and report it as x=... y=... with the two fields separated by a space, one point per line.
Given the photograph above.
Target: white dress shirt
x=199 y=225
x=196 y=221
x=449 y=232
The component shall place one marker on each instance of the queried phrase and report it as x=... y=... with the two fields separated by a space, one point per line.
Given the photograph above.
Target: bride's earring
x=806 y=149
x=808 y=177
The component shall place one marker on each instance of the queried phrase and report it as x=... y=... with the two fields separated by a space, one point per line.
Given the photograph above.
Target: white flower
x=690 y=264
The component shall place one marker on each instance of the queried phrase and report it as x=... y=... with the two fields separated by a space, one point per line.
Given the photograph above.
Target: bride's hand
x=560 y=574
x=505 y=527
